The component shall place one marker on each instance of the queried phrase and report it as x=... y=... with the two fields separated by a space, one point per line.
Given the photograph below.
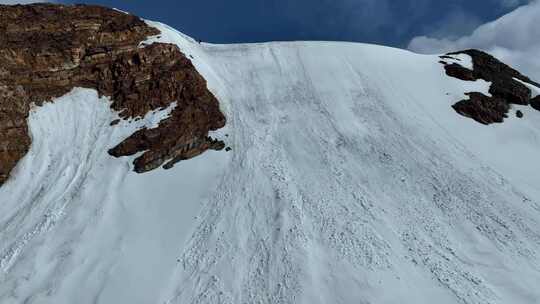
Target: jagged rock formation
x=46 y=50
x=505 y=89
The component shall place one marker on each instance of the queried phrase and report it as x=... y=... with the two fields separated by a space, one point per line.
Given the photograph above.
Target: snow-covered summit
x=351 y=180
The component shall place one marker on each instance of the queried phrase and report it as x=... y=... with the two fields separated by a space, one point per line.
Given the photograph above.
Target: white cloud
x=455 y=24
x=514 y=38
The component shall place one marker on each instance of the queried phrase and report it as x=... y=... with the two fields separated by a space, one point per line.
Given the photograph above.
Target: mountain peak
x=351 y=177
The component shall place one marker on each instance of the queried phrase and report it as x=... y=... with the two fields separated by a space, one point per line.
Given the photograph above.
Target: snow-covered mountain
x=351 y=179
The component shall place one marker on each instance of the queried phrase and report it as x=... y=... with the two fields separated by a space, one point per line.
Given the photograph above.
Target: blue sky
x=389 y=22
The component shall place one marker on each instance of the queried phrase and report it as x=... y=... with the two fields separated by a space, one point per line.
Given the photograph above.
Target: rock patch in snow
x=508 y=86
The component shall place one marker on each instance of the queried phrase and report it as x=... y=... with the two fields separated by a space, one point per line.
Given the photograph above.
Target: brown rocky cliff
x=46 y=50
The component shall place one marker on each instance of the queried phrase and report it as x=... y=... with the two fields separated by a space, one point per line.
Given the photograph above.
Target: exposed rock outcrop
x=46 y=50
x=506 y=87
x=482 y=108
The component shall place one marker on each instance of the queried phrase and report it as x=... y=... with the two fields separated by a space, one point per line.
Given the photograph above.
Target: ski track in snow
x=351 y=180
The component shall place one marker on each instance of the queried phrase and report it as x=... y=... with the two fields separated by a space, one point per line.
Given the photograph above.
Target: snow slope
x=351 y=180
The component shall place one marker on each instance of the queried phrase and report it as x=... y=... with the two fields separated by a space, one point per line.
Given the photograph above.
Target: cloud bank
x=514 y=38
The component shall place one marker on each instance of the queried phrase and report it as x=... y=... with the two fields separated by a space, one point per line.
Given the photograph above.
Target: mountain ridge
x=351 y=179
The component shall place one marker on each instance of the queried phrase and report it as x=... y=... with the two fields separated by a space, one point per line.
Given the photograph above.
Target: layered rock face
x=46 y=50
x=506 y=87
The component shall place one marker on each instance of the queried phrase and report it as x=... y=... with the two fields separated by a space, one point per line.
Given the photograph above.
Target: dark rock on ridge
x=490 y=68
x=505 y=89
x=46 y=50
x=457 y=71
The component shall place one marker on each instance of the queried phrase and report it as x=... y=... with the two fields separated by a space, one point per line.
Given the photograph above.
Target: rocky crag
x=46 y=50
x=507 y=87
